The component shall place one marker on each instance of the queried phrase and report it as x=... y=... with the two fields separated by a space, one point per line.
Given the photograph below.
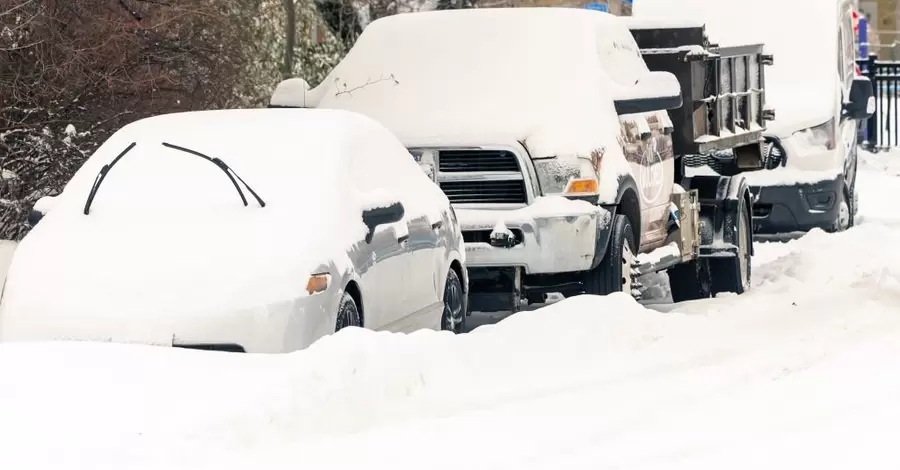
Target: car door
x=424 y=223
x=383 y=263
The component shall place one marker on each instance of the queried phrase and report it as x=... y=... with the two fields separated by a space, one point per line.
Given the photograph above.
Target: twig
x=349 y=91
x=130 y=11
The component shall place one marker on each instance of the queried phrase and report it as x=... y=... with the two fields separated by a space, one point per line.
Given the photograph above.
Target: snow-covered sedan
x=243 y=230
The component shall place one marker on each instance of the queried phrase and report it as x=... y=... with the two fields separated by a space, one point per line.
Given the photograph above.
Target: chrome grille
x=452 y=161
x=485 y=192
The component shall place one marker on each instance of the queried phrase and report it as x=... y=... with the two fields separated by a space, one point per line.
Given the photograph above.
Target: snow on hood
x=489 y=76
x=801 y=34
x=168 y=234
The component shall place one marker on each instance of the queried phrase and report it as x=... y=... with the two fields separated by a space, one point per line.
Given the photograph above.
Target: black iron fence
x=882 y=130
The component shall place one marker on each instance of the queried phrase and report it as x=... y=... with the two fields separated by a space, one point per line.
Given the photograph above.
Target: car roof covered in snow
x=542 y=75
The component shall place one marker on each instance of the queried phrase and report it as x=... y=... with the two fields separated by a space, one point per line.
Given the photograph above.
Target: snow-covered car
x=552 y=139
x=819 y=100
x=245 y=230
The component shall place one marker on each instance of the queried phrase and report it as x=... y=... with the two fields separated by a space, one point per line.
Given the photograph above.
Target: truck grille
x=452 y=161
x=485 y=192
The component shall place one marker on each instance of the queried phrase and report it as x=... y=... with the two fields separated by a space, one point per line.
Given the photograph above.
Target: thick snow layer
x=798 y=373
x=168 y=235
x=546 y=77
x=802 y=85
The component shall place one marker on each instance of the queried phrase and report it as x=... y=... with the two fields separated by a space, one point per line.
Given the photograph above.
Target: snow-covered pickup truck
x=560 y=150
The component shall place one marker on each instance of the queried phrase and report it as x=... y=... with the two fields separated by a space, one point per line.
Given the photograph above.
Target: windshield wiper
x=228 y=172
x=102 y=175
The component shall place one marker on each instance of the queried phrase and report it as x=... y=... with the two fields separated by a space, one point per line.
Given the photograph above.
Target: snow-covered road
x=799 y=373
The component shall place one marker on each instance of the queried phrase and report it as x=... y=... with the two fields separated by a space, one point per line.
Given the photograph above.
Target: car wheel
x=347 y=314
x=615 y=273
x=453 y=317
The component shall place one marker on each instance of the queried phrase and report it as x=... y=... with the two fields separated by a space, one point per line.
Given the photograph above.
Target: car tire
x=733 y=274
x=453 y=316
x=690 y=281
x=615 y=272
x=347 y=313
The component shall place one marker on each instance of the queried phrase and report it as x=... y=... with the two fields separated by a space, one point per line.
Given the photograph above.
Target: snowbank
x=798 y=373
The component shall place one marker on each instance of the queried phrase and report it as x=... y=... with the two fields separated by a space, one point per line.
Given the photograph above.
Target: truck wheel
x=690 y=281
x=614 y=273
x=733 y=274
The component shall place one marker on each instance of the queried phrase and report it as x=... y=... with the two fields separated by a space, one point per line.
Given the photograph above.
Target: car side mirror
x=861 y=102
x=655 y=91
x=40 y=208
x=34 y=217
x=382 y=215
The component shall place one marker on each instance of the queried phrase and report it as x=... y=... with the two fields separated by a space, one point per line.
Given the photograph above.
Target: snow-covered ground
x=799 y=373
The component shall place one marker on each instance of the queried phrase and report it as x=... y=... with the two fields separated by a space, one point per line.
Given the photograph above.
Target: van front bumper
x=800 y=207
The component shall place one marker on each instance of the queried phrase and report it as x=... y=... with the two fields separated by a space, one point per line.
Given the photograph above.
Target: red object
x=858 y=70
x=855 y=21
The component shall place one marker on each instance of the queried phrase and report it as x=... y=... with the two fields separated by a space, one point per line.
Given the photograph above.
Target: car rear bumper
x=797 y=208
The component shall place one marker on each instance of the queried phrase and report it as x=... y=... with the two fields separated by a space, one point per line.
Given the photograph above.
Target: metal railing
x=882 y=130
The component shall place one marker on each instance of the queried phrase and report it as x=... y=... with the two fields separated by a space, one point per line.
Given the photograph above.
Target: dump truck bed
x=723 y=87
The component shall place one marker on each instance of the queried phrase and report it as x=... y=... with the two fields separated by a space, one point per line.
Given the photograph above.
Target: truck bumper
x=781 y=210
x=550 y=252
x=544 y=243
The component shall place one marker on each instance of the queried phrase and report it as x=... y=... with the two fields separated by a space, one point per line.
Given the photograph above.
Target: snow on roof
x=546 y=76
x=801 y=34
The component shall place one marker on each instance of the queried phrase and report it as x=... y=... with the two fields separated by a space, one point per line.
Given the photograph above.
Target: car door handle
x=437 y=225
x=403 y=239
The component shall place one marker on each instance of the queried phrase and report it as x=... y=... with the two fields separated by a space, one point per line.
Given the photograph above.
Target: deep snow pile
x=799 y=373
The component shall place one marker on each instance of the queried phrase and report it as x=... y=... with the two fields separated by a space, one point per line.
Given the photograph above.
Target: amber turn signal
x=317 y=283
x=582 y=186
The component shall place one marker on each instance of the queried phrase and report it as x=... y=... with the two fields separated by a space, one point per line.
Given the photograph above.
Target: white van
x=810 y=176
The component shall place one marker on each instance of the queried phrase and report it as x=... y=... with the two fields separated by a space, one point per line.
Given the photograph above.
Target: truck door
x=648 y=149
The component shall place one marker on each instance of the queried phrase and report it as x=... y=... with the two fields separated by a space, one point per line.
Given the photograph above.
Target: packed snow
x=798 y=373
x=169 y=241
x=567 y=65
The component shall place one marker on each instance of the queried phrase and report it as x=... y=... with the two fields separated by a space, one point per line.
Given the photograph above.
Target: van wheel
x=616 y=272
x=733 y=274
x=453 y=317
x=690 y=281
x=347 y=314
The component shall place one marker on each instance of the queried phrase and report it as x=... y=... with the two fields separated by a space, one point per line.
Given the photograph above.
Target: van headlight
x=820 y=136
x=569 y=177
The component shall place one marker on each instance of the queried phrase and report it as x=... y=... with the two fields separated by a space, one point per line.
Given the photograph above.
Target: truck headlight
x=820 y=136
x=567 y=176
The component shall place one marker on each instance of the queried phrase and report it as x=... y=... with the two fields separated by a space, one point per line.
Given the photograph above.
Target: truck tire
x=690 y=281
x=733 y=274
x=614 y=273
